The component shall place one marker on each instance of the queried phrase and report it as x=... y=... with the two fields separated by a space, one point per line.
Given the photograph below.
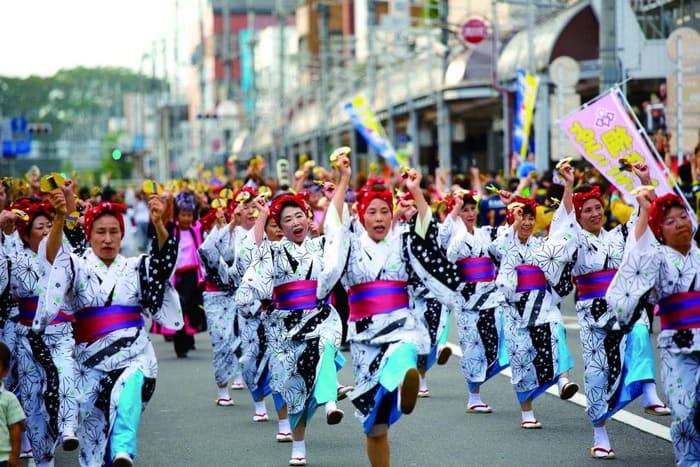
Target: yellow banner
x=530 y=94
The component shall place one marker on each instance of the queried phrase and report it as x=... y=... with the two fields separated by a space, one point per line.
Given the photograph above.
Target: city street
x=183 y=427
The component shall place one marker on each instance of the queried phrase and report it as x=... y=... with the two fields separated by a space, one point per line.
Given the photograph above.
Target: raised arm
x=259 y=227
x=567 y=173
x=156 y=208
x=341 y=188
x=55 y=238
x=644 y=198
x=413 y=185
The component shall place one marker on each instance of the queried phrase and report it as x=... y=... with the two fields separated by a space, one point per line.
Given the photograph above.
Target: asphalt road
x=183 y=427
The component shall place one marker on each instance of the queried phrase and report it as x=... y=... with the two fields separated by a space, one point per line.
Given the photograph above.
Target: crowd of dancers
x=282 y=277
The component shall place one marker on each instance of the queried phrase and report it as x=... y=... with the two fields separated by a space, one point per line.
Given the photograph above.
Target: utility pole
x=531 y=37
x=202 y=84
x=252 y=93
x=281 y=148
x=228 y=60
x=324 y=47
x=609 y=74
x=505 y=99
x=176 y=57
x=371 y=62
x=443 y=112
x=166 y=121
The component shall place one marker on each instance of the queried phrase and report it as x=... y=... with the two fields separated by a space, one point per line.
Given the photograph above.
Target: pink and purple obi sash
x=594 y=284
x=479 y=269
x=680 y=311
x=27 y=312
x=296 y=295
x=530 y=277
x=95 y=322
x=377 y=297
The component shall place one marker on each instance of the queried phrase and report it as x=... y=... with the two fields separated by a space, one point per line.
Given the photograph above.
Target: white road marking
x=623 y=416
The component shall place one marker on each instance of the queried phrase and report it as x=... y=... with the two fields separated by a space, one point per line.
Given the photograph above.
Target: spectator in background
x=527 y=166
x=492 y=211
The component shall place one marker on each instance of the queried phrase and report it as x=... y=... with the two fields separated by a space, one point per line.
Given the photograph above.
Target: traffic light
x=39 y=128
x=116 y=154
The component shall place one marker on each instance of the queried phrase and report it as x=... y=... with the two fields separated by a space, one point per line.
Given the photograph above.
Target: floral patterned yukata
x=385 y=345
x=303 y=332
x=646 y=266
x=116 y=369
x=616 y=361
x=535 y=335
x=480 y=321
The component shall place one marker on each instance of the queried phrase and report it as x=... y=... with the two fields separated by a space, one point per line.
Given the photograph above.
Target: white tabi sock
x=223 y=393
x=298 y=449
x=600 y=438
x=423 y=384
x=527 y=415
x=562 y=381
x=26 y=447
x=260 y=407
x=649 y=394
x=475 y=399
x=283 y=426
x=330 y=406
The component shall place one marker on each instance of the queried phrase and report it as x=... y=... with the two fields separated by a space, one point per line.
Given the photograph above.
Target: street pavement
x=183 y=427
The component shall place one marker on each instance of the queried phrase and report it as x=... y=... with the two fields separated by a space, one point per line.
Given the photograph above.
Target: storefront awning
x=553 y=38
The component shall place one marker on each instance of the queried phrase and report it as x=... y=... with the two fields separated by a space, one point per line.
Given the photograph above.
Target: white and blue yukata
x=480 y=320
x=533 y=327
x=222 y=275
x=617 y=362
x=385 y=334
x=650 y=271
x=45 y=368
x=303 y=333
x=116 y=364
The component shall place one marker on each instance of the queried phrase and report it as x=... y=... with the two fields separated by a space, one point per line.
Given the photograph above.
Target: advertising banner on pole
x=367 y=124
x=525 y=94
x=604 y=132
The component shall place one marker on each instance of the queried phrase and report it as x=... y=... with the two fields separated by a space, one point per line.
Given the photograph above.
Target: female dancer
x=662 y=262
x=535 y=335
x=618 y=364
x=188 y=272
x=480 y=322
x=385 y=335
x=45 y=364
x=217 y=253
x=305 y=332
x=108 y=295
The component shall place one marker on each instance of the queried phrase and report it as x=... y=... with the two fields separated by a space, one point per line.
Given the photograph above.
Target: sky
x=39 y=37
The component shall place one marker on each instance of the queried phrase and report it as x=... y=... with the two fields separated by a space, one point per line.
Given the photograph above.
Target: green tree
x=78 y=103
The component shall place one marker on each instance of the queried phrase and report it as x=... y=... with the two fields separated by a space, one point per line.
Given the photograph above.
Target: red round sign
x=474 y=31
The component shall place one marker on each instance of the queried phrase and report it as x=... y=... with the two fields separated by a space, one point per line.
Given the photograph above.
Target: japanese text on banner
x=603 y=133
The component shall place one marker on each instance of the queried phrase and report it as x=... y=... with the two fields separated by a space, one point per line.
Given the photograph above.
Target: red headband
x=658 y=210
x=365 y=196
x=33 y=208
x=530 y=204
x=105 y=207
x=281 y=201
x=208 y=220
x=580 y=198
x=244 y=195
x=466 y=196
